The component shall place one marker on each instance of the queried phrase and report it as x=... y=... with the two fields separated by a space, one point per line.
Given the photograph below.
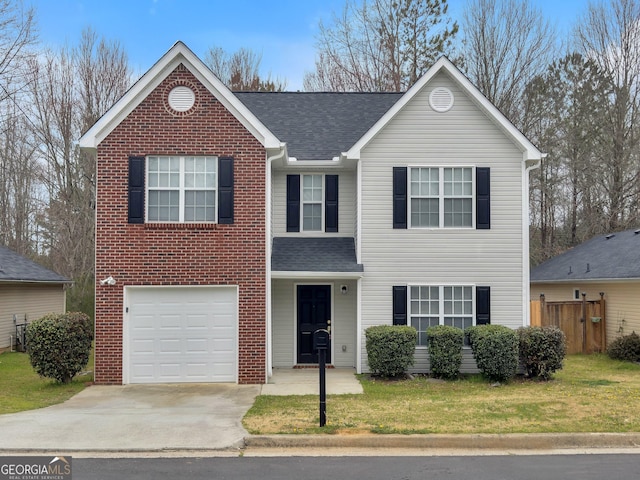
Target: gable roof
x=318 y=125
x=605 y=257
x=530 y=151
x=302 y=254
x=16 y=268
x=178 y=54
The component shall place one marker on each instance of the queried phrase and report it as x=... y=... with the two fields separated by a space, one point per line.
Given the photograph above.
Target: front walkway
x=306 y=381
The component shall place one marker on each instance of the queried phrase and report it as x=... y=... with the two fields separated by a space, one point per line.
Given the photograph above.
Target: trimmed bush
x=542 y=350
x=445 y=350
x=59 y=345
x=390 y=349
x=625 y=348
x=495 y=349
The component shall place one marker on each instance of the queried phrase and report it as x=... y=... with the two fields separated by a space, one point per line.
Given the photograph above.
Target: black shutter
x=136 y=189
x=225 y=190
x=400 y=305
x=293 y=203
x=331 y=203
x=483 y=204
x=483 y=305
x=399 y=197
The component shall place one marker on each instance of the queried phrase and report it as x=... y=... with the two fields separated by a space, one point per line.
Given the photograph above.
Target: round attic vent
x=441 y=99
x=181 y=98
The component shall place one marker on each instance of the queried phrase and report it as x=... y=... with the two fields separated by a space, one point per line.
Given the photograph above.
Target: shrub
x=390 y=349
x=542 y=350
x=625 y=348
x=495 y=349
x=59 y=345
x=445 y=350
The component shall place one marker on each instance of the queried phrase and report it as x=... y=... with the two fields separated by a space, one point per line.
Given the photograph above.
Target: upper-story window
x=181 y=189
x=441 y=197
x=312 y=203
x=312 y=196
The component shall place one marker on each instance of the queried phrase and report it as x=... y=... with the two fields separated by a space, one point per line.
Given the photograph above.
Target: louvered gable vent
x=441 y=99
x=181 y=98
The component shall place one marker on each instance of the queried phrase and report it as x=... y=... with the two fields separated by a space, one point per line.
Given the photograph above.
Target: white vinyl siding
x=419 y=137
x=343 y=325
x=346 y=203
x=622 y=307
x=30 y=300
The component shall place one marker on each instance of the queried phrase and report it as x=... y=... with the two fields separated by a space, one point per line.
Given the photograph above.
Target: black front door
x=314 y=313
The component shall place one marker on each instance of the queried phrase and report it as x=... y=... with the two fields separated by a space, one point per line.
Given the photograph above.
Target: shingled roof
x=301 y=254
x=16 y=268
x=318 y=125
x=605 y=257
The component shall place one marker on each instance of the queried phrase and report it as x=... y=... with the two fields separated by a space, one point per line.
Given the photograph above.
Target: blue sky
x=282 y=30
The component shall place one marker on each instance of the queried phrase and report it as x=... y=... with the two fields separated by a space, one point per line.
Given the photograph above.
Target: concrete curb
x=516 y=441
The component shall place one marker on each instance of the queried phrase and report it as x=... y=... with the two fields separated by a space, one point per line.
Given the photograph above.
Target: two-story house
x=234 y=225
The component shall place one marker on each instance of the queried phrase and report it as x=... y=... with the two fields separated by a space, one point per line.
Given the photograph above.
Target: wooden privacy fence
x=582 y=321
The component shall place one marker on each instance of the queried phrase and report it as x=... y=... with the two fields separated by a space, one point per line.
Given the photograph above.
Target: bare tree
x=240 y=70
x=70 y=89
x=506 y=44
x=609 y=34
x=381 y=45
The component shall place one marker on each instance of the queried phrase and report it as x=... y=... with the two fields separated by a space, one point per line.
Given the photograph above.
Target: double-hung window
x=440 y=305
x=181 y=189
x=312 y=203
x=441 y=197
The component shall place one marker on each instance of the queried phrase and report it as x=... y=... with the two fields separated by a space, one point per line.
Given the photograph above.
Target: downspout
x=282 y=153
x=526 y=267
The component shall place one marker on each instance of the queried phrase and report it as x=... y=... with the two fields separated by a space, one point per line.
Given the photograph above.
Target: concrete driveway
x=135 y=418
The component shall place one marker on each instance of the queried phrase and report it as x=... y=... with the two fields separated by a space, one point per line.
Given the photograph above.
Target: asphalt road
x=538 y=467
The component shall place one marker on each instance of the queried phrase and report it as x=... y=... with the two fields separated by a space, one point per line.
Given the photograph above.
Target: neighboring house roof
x=16 y=268
x=318 y=125
x=303 y=254
x=178 y=54
x=605 y=257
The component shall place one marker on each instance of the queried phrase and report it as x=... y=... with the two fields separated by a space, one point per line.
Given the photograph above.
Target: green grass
x=591 y=394
x=21 y=388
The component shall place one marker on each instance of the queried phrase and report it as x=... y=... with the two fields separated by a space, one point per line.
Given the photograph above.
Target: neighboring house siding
x=346 y=202
x=181 y=254
x=343 y=324
x=31 y=300
x=464 y=136
x=622 y=302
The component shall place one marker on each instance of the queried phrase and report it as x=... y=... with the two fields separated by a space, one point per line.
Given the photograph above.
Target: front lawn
x=22 y=389
x=591 y=394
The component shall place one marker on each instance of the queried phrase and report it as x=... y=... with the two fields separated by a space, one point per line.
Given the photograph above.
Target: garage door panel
x=191 y=335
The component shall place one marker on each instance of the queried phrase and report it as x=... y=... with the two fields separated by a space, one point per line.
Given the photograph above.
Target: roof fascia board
x=176 y=55
x=298 y=275
x=587 y=280
x=530 y=151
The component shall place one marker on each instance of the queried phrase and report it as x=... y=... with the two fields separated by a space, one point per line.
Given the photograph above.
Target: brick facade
x=181 y=254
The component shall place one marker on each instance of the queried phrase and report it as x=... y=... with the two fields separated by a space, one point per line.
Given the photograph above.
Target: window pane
x=424 y=212
x=312 y=217
x=199 y=206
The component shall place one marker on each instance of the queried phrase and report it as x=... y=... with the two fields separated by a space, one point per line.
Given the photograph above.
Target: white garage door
x=181 y=334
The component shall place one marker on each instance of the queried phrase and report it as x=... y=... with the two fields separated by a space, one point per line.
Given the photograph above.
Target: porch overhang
x=312 y=257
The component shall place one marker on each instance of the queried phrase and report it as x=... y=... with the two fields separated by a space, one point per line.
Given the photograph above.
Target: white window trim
x=181 y=189
x=441 y=303
x=441 y=197
x=303 y=203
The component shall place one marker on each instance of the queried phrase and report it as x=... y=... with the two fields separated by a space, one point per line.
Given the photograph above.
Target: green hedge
x=59 y=345
x=542 y=350
x=445 y=350
x=625 y=348
x=495 y=349
x=390 y=349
